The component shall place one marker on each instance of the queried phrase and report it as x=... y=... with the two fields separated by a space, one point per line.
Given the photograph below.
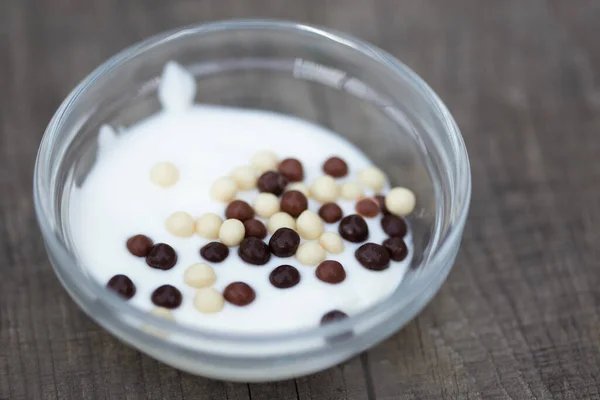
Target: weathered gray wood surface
x=519 y=315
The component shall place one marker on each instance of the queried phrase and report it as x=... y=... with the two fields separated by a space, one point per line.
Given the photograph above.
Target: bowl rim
x=56 y=245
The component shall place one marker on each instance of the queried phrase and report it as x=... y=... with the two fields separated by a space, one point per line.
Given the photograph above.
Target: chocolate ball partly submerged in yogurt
x=238 y=220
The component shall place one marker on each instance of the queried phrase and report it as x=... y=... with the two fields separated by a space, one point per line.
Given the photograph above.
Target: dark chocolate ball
x=254 y=251
x=167 y=296
x=354 y=229
x=335 y=167
x=284 y=242
x=239 y=209
x=292 y=169
x=367 y=207
x=330 y=213
x=214 y=252
x=393 y=225
x=255 y=228
x=122 y=285
x=284 y=277
x=330 y=271
x=294 y=203
x=332 y=316
x=396 y=248
x=373 y=256
x=239 y=294
x=272 y=182
x=161 y=256
x=381 y=201
x=139 y=245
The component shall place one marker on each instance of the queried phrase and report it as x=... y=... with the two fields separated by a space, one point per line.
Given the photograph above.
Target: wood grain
x=519 y=315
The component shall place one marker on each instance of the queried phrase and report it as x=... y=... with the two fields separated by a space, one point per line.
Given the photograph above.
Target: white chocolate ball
x=372 y=178
x=351 y=191
x=265 y=204
x=199 y=275
x=280 y=220
x=180 y=224
x=164 y=174
x=223 y=190
x=309 y=225
x=331 y=242
x=325 y=189
x=163 y=313
x=208 y=300
x=160 y=312
x=232 y=232
x=264 y=160
x=208 y=225
x=310 y=253
x=400 y=201
x=244 y=177
x=299 y=186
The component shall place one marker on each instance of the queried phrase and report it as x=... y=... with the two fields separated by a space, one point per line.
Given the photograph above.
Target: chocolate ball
x=354 y=229
x=139 y=245
x=294 y=203
x=208 y=225
x=350 y=190
x=331 y=242
x=309 y=225
x=255 y=228
x=223 y=189
x=284 y=277
x=254 y=251
x=381 y=201
x=265 y=204
x=272 y=182
x=330 y=271
x=280 y=220
x=264 y=160
x=335 y=167
x=367 y=208
x=239 y=209
x=239 y=294
x=400 y=201
x=167 y=296
x=291 y=169
x=161 y=256
x=164 y=174
x=244 y=177
x=122 y=285
x=214 y=252
x=180 y=224
x=310 y=253
x=330 y=213
x=396 y=248
x=372 y=178
x=373 y=256
x=232 y=232
x=208 y=300
x=284 y=242
x=325 y=189
x=332 y=316
x=393 y=226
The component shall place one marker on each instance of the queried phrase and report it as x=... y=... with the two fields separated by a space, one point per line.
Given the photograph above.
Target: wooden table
x=519 y=315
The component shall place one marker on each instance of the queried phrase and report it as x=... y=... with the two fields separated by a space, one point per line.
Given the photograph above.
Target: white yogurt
x=118 y=200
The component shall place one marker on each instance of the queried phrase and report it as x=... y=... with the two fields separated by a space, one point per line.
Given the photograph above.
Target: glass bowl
x=355 y=89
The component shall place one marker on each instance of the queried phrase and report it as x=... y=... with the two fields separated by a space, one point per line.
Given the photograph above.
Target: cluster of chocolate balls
x=283 y=202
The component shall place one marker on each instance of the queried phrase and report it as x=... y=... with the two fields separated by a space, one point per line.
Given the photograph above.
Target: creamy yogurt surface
x=118 y=200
